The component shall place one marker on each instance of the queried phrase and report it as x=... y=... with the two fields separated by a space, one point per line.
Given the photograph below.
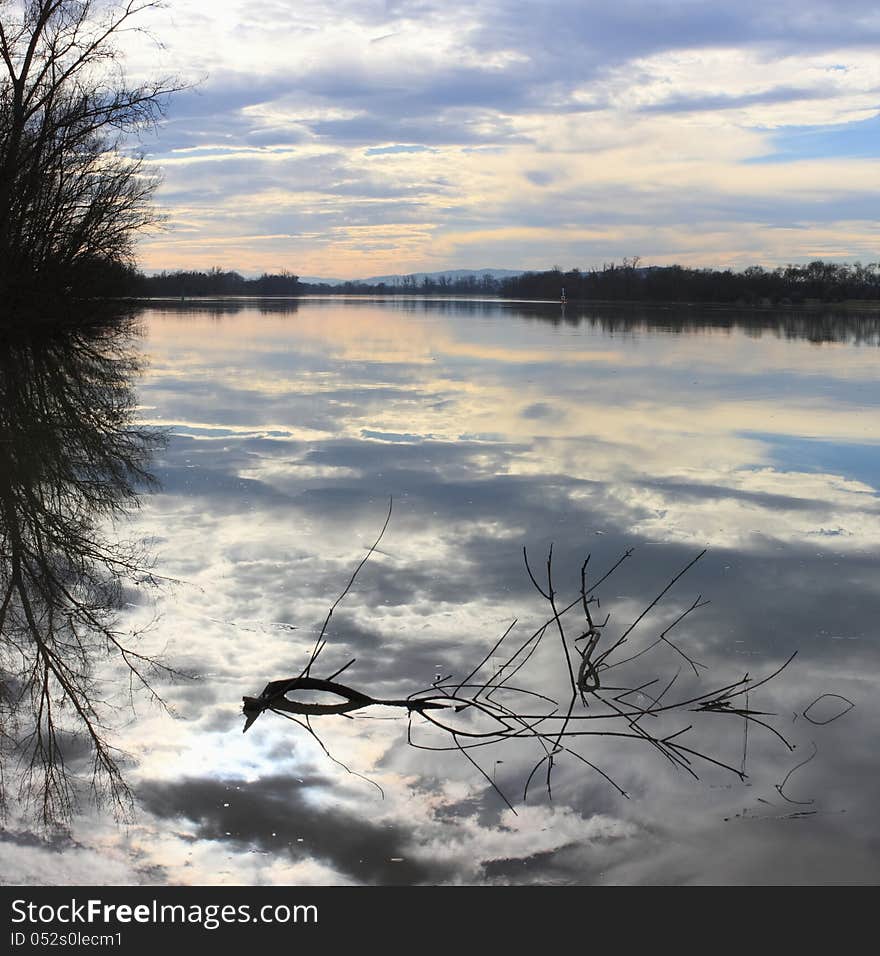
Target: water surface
x=495 y=426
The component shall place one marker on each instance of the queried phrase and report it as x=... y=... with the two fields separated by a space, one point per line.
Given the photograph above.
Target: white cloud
x=641 y=131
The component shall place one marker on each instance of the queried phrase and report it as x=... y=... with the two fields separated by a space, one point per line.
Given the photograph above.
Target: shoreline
x=810 y=305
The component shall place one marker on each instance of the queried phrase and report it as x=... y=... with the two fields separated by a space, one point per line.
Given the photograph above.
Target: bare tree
x=71 y=199
x=70 y=459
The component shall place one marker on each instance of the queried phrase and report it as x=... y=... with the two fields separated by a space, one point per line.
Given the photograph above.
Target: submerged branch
x=477 y=712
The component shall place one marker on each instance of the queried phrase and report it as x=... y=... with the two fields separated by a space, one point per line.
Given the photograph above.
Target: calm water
x=495 y=426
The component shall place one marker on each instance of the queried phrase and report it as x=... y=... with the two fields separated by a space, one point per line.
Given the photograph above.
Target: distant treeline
x=413 y=285
x=787 y=285
x=214 y=282
x=792 y=284
x=218 y=282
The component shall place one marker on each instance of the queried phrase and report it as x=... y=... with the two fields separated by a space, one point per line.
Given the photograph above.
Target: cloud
x=277 y=816
x=481 y=121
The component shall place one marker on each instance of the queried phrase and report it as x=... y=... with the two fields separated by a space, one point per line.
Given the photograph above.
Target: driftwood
x=498 y=697
x=274 y=697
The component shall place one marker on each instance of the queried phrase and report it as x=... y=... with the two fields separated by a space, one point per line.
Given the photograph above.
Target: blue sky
x=361 y=138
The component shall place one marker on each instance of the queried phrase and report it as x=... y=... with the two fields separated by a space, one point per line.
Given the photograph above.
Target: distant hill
x=397 y=279
x=318 y=280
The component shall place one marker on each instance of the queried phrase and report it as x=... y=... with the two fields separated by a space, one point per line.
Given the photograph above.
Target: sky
x=362 y=138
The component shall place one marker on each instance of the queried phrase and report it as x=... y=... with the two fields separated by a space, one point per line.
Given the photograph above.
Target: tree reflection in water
x=71 y=460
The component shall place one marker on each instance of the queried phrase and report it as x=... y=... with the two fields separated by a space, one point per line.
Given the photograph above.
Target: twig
x=319 y=643
x=515 y=714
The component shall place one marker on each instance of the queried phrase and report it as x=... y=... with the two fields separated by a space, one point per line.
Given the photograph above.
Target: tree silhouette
x=70 y=459
x=71 y=201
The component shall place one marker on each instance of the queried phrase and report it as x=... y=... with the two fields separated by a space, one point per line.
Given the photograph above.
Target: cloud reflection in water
x=493 y=427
